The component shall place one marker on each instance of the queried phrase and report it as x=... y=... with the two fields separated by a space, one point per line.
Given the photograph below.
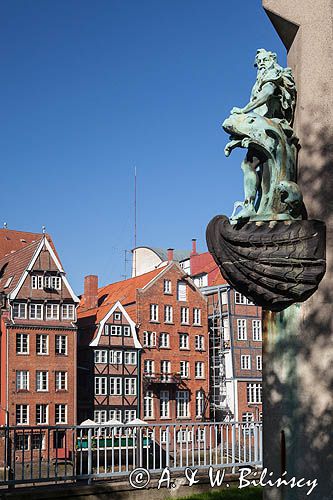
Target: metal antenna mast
x=134 y=260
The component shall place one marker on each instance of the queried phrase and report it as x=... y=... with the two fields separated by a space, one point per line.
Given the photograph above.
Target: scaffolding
x=219 y=344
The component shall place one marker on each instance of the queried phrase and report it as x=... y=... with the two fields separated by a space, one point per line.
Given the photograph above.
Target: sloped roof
x=204 y=264
x=14 y=264
x=124 y=291
x=178 y=255
x=11 y=241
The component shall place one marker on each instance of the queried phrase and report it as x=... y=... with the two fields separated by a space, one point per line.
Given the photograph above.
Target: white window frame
x=181 y=291
x=21 y=343
x=164 y=340
x=100 y=416
x=129 y=415
x=61 y=409
x=196 y=316
x=149 y=367
x=168 y=314
x=22 y=380
x=199 y=343
x=21 y=310
x=127 y=331
x=165 y=404
x=199 y=369
x=245 y=362
x=259 y=363
x=254 y=393
x=130 y=358
x=36 y=311
x=182 y=404
x=184 y=369
x=115 y=414
x=184 y=315
x=241 y=329
x=167 y=287
x=23 y=410
x=148 y=405
x=61 y=345
x=40 y=407
x=116 y=357
x=37 y=281
x=116 y=386
x=101 y=356
x=256 y=330
x=42 y=381
x=154 y=313
x=52 y=312
x=100 y=386
x=184 y=341
x=40 y=344
x=149 y=339
x=61 y=378
x=68 y=311
x=115 y=330
x=130 y=386
x=199 y=403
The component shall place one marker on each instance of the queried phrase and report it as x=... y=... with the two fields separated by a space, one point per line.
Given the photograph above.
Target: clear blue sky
x=90 y=88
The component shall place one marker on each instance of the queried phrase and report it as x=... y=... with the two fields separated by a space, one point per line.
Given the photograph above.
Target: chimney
x=194 y=247
x=90 y=291
x=170 y=254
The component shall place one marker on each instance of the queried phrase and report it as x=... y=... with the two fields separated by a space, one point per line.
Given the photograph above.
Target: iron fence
x=70 y=453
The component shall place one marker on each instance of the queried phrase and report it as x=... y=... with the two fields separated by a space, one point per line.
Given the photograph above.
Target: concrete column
x=298 y=343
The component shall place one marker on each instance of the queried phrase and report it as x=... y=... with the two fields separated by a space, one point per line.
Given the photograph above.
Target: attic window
x=3 y=269
x=8 y=282
x=23 y=240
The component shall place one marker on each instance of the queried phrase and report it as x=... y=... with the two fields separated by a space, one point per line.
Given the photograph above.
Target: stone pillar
x=298 y=347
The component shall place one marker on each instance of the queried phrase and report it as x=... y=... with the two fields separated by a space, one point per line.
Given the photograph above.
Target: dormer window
x=38 y=282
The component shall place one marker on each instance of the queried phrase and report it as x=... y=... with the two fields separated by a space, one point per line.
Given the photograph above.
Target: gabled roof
x=178 y=255
x=204 y=264
x=11 y=241
x=122 y=291
x=14 y=265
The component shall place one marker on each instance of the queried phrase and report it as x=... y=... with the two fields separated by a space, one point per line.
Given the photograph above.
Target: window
x=115 y=415
x=36 y=311
x=61 y=344
x=164 y=404
x=153 y=312
x=21 y=442
x=201 y=434
x=60 y=413
x=259 y=362
x=117 y=316
x=115 y=330
x=184 y=436
x=241 y=299
x=19 y=310
x=22 y=343
x=199 y=342
x=52 y=311
x=165 y=370
x=149 y=339
x=241 y=329
x=201 y=280
x=247 y=417
x=164 y=436
x=168 y=314
x=181 y=291
x=100 y=416
x=68 y=311
x=253 y=393
x=116 y=357
x=182 y=404
x=130 y=358
x=148 y=405
x=42 y=381
x=184 y=369
x=245 y=362
x=127 y=331
x=148 y=367
x=41 y=414
x=256 y=329
x=22 y=414
x=22 y=380
x=61 y=381
x=38 y=441
x=167 y=286
x=100 y=386
x=199 y=369
x=164 y=340
x=115 y=386
x=100 y=356
x=129 y=415
x=199 y=403
x=42 y=344
x=183 y=341
x=196 y=316
x=184 y=315
x=130 y=387
x=53 y=282
x=36 y=281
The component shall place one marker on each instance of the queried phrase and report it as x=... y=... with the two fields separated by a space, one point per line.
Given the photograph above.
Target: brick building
x=38 y=340
x=169 y=316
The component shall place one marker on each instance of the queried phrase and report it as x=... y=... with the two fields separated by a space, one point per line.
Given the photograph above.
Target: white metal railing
x=67 y=453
